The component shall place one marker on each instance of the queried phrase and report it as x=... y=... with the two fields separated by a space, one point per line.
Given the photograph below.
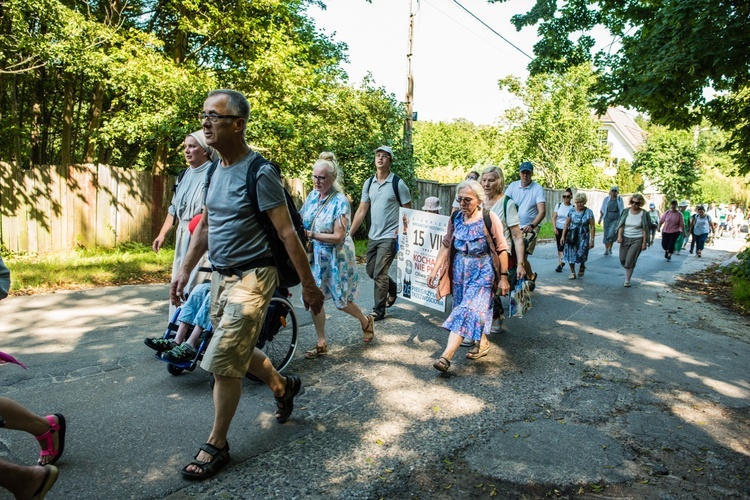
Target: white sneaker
x=497 y=325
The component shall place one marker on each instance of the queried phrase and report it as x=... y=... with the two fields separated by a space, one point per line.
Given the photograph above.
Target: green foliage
x=554 y=129
x=741 y=268
x=669 y=53
x=669 y=160
x=626 y=179
x=459 y=145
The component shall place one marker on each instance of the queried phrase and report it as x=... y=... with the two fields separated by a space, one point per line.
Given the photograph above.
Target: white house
x=621 y=133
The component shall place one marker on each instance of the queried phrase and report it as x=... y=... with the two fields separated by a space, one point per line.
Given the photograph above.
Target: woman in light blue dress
x=326 y=215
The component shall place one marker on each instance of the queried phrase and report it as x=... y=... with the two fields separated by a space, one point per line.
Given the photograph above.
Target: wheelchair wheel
x=174 y=370
x=279 y=345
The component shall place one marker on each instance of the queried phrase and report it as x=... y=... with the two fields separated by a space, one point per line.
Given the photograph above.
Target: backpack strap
x=396 y=180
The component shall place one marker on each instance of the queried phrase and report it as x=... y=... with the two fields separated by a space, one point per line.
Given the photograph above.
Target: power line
x=492 y=29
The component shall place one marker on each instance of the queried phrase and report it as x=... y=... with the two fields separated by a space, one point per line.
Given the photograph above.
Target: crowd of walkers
x=491 y=235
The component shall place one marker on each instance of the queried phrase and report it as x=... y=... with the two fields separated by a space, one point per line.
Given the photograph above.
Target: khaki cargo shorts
x=238 y=308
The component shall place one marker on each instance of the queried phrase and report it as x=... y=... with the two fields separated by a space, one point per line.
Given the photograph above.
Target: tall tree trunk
x=94 y=122
x=160 y=161
x=36 y=120
x=16 y=120
x=67 y=124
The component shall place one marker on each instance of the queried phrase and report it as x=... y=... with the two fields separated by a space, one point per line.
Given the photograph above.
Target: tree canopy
x=663 y=56
x=122 y=82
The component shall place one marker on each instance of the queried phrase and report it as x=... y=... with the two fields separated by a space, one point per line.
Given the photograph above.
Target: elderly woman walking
x=327 y=218
x=632 y=234
x=612 y=207
x=578 y=234
x=474 y=260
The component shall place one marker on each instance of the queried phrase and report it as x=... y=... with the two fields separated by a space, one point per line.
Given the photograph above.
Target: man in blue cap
x=532 y=207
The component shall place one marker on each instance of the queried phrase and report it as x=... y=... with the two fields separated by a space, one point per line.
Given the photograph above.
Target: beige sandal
x=317 y=351
x=369 y=330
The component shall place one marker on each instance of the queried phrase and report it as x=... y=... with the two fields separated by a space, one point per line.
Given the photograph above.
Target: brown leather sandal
x=369 y=330
x=317 y=351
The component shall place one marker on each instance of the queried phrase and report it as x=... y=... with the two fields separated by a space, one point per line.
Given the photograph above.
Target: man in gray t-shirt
x=244 y=278
x=379 y=197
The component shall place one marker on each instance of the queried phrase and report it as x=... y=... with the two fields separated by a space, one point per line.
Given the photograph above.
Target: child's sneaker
x=160 y=344
x=180 y=354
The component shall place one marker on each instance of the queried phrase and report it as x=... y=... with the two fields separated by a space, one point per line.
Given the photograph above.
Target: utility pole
x=409 y=84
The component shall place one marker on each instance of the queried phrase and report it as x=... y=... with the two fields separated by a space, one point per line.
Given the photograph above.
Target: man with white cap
x=654 y=216
x=382 y=195
x=532 y=207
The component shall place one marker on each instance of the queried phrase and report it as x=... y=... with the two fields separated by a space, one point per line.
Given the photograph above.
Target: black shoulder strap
x=252 y=179
x=179 y=179
x=210 y=172
x=396 y=180
x=487 y=220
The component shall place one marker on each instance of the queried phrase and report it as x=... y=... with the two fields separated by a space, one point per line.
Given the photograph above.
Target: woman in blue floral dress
x=473 y=273
x=581 y=222
x=327 y=217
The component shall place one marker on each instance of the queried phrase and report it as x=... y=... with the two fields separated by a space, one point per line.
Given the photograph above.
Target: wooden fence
x=53 y=208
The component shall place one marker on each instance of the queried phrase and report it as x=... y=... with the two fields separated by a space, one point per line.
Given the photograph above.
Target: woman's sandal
x=50 y=476
x=317 y=351
x=442 y=364
x=391 y=300
x=48 y=442
x=285 y=403
x=369 y=331
x=208 y=469
x=476 y=352
x=581 y=271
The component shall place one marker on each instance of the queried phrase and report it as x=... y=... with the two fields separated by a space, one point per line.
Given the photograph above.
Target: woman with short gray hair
x=578 y=235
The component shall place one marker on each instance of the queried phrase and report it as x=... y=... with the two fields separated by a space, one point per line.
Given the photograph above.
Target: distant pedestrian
x=632 y=234
x=671 y=226
x=559 y=216
x=682 y=237
x=432 y=205
x=475 y=263
x=578 y=234
x=609 y=214
x=700 y=227
x=654 y=215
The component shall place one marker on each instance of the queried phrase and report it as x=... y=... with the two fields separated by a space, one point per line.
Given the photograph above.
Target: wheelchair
x=277 y=339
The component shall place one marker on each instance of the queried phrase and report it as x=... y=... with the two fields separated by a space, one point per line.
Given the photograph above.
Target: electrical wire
x=492 y=29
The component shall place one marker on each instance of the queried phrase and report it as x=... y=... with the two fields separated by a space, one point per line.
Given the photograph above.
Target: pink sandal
x=48 y=442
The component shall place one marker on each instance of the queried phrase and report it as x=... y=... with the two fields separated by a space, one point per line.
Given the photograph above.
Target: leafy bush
x=741 y=268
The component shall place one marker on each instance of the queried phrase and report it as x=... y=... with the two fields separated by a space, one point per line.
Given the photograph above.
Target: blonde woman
x=326 y=215
x=582 y=229
x=632 y=234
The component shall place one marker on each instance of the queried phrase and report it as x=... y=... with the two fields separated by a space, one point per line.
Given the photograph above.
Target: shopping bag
x=520 y=299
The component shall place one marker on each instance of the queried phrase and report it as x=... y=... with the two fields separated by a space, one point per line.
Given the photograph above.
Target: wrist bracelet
x=503 y=274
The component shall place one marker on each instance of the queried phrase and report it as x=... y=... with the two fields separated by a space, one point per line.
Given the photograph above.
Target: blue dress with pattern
x=335 y=266
x=472 y=281
x=578 y=253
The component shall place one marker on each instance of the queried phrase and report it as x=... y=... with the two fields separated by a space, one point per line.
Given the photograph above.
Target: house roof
x=621 y=121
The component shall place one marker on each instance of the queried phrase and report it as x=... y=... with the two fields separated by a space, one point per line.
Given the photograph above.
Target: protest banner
x=419 y=238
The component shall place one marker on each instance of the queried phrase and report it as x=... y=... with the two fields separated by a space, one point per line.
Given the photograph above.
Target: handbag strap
x=312 y=223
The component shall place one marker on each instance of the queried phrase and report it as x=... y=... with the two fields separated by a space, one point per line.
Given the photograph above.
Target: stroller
x=277 y=339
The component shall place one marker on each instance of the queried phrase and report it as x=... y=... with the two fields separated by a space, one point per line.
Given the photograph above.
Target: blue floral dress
x=579 y=221
x=472 y=281
x=335 y=266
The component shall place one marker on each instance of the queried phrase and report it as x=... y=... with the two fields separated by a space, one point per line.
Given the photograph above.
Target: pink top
x=673 y=222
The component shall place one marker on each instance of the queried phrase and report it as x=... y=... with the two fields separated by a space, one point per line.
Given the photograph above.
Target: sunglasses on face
x=566 y=196
x=460 y=200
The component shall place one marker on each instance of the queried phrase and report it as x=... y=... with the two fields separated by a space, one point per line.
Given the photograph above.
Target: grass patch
x=129 y=263
x=741 y=291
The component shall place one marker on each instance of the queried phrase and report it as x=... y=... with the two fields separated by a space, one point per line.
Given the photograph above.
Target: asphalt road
x=641 y=391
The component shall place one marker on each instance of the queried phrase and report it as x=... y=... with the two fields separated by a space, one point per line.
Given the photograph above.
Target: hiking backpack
x=288 y=276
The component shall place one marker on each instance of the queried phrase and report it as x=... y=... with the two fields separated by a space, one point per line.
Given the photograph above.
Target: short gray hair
x=580 y=196
x=474 y=186
x=500 y=177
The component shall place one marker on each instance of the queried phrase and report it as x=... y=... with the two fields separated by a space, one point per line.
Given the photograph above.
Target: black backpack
x=288 y=276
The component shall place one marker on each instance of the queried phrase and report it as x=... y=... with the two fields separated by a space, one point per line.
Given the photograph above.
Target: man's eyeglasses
x=460 y=200
x=213 y=118
x=319 y=178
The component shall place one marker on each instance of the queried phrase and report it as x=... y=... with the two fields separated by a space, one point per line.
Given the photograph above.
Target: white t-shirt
x=562 y=214
x=633 y=226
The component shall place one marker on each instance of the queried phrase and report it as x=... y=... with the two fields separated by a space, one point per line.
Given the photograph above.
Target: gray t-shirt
x=384 y=206
x=235 y=235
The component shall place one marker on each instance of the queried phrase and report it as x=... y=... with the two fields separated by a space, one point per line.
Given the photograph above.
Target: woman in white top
x=562 y=210
x=700 y=226
x=187 y=202
x=632 y=234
